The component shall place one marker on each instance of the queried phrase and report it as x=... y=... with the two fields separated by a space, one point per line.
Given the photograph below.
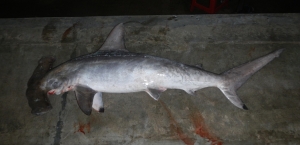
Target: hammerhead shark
x=113 y=69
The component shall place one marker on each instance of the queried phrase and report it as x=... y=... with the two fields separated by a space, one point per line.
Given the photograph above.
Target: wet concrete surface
x=218 y=42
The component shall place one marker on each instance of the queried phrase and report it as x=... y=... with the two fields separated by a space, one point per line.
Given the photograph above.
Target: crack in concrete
x=60 y=123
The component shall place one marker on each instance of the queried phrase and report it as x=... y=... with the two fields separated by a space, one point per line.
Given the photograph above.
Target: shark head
x=53 y=85
x=59 y=79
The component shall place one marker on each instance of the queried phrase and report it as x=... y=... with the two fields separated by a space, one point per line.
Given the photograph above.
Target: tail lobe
x=234 y=78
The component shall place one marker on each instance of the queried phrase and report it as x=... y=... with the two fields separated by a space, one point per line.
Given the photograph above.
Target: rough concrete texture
x=218 y=42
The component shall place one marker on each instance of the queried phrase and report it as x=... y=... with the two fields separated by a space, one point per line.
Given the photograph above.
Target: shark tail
x=236 y=77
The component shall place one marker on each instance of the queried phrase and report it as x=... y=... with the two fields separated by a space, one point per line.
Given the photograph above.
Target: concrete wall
x=218 y=42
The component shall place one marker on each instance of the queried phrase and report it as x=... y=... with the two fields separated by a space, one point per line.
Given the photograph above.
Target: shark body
x=112 y=69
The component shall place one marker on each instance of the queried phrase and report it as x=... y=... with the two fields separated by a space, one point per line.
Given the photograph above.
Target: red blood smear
x=66 y=33
x=88 y=127
x=83 y=127
x=51 y=92
x=174 y=126
x=202 y=130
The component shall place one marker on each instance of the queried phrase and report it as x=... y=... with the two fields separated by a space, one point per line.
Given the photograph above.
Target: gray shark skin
x=112 y=69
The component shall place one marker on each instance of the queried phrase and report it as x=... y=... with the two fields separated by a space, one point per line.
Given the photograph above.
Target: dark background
x=78 y=8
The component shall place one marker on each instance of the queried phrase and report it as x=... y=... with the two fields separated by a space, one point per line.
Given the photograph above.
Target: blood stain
x=202 y=130
x=67 y=32
x=175 y=126
x=48 y=31
x=51 y=92
x=83 y=128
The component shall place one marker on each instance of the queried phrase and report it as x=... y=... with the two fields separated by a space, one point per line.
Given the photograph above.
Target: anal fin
x=85 y=96
x=155 y=93
x=191 y=92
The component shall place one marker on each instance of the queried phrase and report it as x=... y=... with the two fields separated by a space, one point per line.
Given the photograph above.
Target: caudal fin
x=234 y=78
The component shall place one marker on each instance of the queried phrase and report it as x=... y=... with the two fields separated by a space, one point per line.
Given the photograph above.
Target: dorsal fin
x=115 y=39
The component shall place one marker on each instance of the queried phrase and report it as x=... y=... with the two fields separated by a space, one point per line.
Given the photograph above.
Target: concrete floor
x=218 y=42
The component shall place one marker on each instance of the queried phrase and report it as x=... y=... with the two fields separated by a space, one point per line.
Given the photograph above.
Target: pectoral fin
x=155 y=93
x=85 y=96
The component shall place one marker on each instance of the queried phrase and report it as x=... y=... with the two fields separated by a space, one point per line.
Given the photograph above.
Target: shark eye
x=54 y=83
